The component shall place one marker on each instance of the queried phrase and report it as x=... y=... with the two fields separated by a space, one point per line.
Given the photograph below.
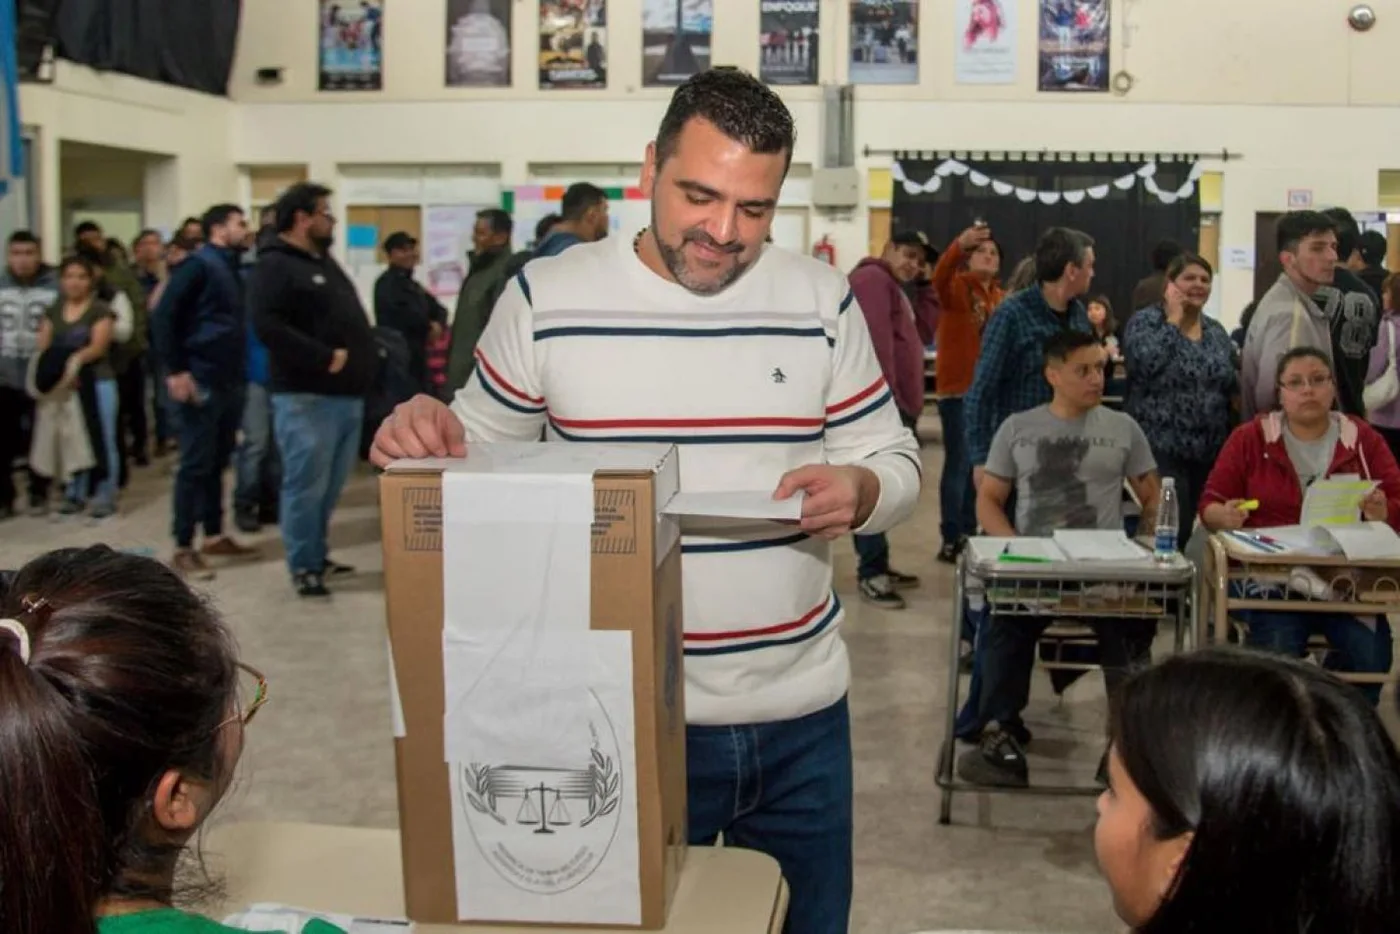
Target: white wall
x=185 y=135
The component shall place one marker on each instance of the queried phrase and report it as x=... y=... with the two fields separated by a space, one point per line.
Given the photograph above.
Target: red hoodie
x=1254 y=464
x=893 y=332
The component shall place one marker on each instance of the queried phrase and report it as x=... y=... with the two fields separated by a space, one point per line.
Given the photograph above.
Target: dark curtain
x=187 y=43
x=34 y=20
x=1125 y=225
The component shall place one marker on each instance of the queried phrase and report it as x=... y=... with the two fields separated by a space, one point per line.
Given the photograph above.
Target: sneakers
x=102 y=511
x=246 y=521
x=191 y=564
x=70 y=507
x=310 y=584
x=999 y=761
x=225 y=547
x=902 y=581
x=336 y=569
x=879 y=590
x=948 y=554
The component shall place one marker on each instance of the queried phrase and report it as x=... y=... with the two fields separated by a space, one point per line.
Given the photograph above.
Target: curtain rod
x=1052 y=155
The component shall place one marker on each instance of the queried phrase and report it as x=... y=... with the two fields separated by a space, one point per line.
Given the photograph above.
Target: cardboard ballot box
x=534 y=607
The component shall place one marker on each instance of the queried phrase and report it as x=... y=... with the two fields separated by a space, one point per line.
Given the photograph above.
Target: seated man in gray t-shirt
x=1067 y=462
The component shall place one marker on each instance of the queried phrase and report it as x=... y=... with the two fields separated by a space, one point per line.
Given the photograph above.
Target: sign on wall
x=1074 y=45
x=789 y=33
x=884 y=42
x=676 y=38
x=986 y=42
x=573 y=44
x=478 y=43
x=351 y=55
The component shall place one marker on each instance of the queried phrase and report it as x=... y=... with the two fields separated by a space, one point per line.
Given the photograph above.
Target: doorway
x=1267 y=267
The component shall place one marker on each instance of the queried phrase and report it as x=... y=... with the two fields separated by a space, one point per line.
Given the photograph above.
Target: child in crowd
x=1249 y=792
x=122 y=711
x=1105 y=326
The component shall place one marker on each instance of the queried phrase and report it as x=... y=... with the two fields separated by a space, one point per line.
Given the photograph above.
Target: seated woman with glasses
x=122 y=710
x=1274 y=459
x=1249 y=793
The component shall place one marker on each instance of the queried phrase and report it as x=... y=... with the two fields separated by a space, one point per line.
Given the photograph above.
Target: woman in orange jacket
x=965 y=280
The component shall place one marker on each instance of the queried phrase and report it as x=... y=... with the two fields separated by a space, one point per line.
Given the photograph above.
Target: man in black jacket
x=323 y=361
x=1354 y=312
x=402 y=305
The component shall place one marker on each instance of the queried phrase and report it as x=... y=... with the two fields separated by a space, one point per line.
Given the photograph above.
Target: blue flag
x=11 y=143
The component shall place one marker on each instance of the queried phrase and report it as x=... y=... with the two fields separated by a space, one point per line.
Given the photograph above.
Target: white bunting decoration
x=1144 y=174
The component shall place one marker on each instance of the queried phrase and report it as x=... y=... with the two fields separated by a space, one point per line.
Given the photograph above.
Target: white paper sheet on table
x=735 y=504
x=1334 y=501
x=1098 y=545
x=538 y=725
x=286 y=919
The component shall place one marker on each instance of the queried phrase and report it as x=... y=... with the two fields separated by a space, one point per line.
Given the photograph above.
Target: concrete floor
x=321 y=751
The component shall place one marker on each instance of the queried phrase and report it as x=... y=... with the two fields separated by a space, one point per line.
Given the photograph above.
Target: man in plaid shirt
x=1009 y=376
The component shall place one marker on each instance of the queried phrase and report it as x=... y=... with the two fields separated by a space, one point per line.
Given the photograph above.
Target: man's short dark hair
x=579 y=198
x=1348 y=232
x=1056 y=249
x=1058 y=346
x=1163 y=253
x=147 y=232
x=545 y=225
x=1373 y=247
x=499 y=221
x=739 y=105
x=22 y=236
x=86 y=227
x=217 y=216
x=301 y=198
x=188 y=221
x=1295 y=226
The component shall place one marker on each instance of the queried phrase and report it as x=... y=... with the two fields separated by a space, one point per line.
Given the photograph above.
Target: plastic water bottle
x=1168 y=521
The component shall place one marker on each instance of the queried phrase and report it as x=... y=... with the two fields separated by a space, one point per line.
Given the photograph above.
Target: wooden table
x=357 y=871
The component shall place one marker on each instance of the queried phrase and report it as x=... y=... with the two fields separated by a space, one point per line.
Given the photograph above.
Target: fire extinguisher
x=825 y=251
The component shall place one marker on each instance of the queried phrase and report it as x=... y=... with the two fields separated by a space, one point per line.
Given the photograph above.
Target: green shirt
x=171 y=921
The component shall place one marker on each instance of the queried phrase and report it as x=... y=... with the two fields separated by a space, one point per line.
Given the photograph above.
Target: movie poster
x=884 y=42
x=573 y=44
x=787 y=41
x=1074 y=45
x=675 y=40
x=352 y=45
x=478 y=43
x=986 y=42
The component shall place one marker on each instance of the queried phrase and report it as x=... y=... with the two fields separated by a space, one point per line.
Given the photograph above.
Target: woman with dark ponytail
x=122 y=709
x=1249 y=792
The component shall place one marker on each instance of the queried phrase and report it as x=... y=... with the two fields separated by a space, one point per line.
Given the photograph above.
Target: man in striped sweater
x=757 y=362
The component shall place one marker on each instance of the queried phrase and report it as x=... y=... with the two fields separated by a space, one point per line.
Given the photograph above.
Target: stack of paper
x=1098 y=545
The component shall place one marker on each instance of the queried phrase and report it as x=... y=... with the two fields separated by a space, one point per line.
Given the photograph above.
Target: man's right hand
x=973 y=237
x=338 y=358
x=421 y=427
x=180 y=386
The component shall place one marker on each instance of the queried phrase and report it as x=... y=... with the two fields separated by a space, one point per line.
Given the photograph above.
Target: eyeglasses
x=1299 y=383
x=252 y=695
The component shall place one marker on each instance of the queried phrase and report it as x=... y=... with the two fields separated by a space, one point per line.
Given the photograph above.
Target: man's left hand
x=837 y=499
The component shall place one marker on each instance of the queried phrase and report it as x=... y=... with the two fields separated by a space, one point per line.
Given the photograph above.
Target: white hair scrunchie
x=15 y=628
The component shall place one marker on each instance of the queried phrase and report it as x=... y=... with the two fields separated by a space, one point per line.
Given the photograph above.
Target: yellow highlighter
x=1249 y=505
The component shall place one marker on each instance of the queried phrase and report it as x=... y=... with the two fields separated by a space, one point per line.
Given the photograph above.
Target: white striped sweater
x=775 y=372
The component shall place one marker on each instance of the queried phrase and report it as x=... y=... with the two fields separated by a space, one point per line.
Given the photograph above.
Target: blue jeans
x=257 y=464
x=783 y=789
x=106 y=492
x=1355 y=647
x=957 y=503
x=208 y=430
x=873 y=554
x=318 y=438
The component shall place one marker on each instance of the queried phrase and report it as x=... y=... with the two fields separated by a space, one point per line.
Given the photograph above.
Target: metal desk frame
x=1059 y=591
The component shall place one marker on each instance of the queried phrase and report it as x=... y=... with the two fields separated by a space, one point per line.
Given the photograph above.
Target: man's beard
x=675 y=262
x=323 y=242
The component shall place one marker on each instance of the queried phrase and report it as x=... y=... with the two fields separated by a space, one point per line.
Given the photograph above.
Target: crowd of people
x=123 y=703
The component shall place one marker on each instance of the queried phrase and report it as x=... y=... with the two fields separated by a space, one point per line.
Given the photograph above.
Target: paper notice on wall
x=538 y=726
x=1239 y=257
x=447 y=236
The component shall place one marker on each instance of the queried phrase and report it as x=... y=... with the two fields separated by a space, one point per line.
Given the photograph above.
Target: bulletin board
x=628 y=209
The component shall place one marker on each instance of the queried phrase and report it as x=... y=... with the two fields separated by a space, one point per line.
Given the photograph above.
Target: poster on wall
x=675 y=40
x=1074 y=45
x=884 y=42
x=478 y=43
x=788 y=37
x=986 y=42
x=352 y=46
x=447 y=236
x=573 y=44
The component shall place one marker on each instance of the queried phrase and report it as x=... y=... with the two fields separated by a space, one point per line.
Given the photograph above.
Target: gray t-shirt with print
x=1069 y=473
x=1311 y=458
